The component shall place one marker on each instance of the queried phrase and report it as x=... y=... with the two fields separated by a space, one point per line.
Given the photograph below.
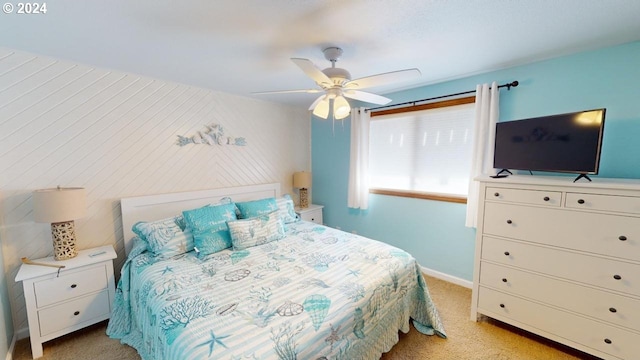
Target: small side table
x=79 y=295
x=312 y=213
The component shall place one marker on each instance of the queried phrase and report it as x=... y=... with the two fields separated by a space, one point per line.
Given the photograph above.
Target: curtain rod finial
x=512 y=84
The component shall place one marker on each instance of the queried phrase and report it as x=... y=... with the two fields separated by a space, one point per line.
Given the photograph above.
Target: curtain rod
x=413 y=103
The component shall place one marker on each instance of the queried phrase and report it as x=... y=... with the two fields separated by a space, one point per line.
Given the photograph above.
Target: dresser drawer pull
x=504 y=279
x=76 y=313
x=496 y=194
x=506 y=253
x=580 y=201
x=73 y=286
x=502 y=306
x=608 y=341
x=613 y=310
x=546 y=198
x=622 y=238
x=617 y=277
x=509 y=222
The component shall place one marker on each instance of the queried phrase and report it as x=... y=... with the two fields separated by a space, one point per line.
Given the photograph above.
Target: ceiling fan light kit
x=337 y=85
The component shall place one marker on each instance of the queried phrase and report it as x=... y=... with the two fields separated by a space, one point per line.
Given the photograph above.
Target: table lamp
x=302 y=181
x=60 y=206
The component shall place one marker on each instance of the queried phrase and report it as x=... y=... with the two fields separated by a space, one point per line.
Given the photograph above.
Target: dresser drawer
x=74 y=312
x=590 y=333
x=536 y=197
x=68 y=286
x=621 y=204
x=587 y=269
x=590 y=232
x=617 y=309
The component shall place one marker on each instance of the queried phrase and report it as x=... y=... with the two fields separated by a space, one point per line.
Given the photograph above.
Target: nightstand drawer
x=69 y=286
x=74 y=312
x=313 y=213
x=313 y=216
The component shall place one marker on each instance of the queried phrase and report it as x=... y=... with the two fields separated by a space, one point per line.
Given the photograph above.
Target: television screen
x=558 y=143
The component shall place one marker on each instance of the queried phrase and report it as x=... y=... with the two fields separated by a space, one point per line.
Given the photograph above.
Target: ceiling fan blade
x=313 y=72
x=384 y=79
x=366 y=97
x=317 y=101
x=307 y=91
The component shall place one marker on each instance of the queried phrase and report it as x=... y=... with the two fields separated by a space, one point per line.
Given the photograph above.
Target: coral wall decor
x=213 y=135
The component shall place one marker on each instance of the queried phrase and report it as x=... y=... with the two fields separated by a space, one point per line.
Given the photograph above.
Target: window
x=423 y=151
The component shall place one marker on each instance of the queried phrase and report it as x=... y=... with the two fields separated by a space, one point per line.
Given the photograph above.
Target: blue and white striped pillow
x=165 y=238
x=258 y=230
x=286 y=209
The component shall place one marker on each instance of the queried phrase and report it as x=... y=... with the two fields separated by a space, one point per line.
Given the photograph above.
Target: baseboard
x=446 y=277
x=22 y=333
x=11 y=347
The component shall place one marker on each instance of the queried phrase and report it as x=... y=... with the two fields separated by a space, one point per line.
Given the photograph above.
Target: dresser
x=312 y=213
x=562 y=260
x=78 y=295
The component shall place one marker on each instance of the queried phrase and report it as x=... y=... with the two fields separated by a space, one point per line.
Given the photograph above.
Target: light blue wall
x=434 y=231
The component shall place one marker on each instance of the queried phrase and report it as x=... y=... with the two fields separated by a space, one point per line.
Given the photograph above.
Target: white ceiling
x=244 y=46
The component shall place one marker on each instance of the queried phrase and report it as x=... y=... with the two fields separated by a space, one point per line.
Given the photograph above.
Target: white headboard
x=161 y=206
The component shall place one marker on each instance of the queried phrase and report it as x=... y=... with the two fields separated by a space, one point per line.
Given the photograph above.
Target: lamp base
x=64 y=240
x=304 y=199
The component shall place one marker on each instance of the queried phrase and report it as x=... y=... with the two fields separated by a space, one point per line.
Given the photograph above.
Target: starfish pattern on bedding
x=355 y=273
x=212 y=342
x=167 y=269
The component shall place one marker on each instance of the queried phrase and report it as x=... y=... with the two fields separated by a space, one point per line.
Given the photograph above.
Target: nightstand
x=312 y=213
x=79 y=295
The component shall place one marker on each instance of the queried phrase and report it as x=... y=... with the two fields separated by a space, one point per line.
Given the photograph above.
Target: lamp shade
x=341 y=108
x=59 y=204
x=302 y=180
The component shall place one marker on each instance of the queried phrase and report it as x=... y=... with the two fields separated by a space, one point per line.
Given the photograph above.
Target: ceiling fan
x=337 y=85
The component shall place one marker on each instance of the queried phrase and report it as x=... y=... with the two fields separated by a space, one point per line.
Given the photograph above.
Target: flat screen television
x=567 y=143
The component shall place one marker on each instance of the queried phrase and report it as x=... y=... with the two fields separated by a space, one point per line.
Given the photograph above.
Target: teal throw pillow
x=249 y=209
x=209 y=227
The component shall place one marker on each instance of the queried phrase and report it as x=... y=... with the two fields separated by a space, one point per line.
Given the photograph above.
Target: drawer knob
x=496 y=194
x=504 y=279
x=76 y=313
x=506 y=253
x=580 y=201
x=613 y=309
x=509 y=222
x=546 y=198
x=622 y=238
x=608 y=341
x=617 y=277
x=73 y=286
x=502 y=306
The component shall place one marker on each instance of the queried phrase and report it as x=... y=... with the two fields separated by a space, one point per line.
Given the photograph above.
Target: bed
x=308 y=292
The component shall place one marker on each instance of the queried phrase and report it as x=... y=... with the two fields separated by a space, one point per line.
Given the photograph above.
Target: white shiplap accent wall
x=114 y=134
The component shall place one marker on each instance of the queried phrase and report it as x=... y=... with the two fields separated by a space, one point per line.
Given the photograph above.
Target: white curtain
x=359 y=160
x=487 y=106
